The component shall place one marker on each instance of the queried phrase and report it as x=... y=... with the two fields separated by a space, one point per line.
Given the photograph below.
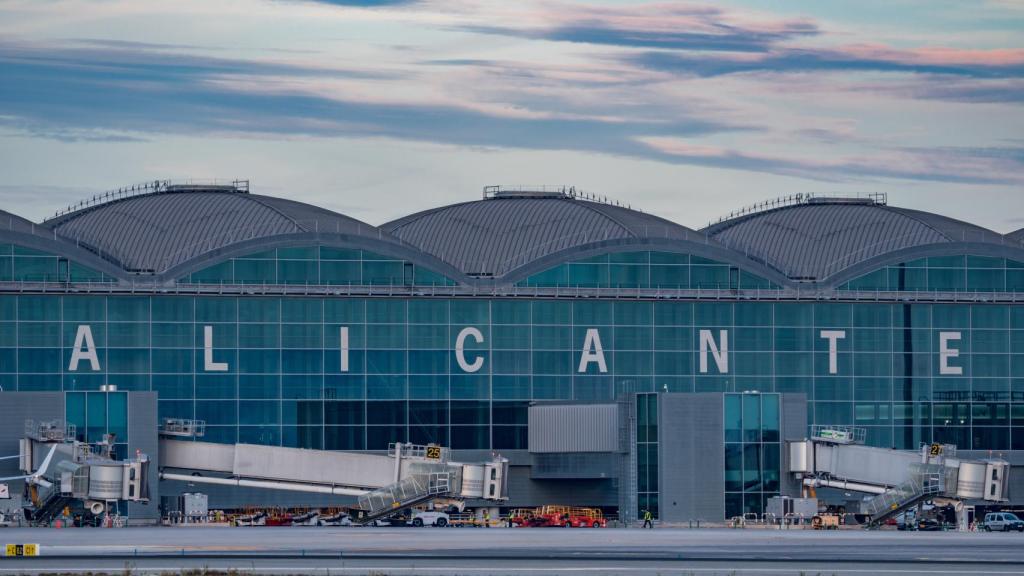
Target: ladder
x=927 y=482
x=415 y=489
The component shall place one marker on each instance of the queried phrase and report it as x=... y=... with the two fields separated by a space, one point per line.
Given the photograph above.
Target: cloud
x=66 y=92
x=999 y=166
x=668 y=25
x=976 y=64
x=85 y=92
x=364 y=3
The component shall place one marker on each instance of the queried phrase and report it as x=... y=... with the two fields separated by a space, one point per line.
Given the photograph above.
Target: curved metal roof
x=820 y=237
x=14 y=223
x=494 y=236
x=157 y=231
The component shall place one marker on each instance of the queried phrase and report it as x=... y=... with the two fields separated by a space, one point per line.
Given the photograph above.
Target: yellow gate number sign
x=434 y=452
x=22 y=550
x=935 y=450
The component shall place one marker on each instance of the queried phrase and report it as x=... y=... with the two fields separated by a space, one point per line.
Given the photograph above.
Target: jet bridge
x=384 y=483
x=61 y=472
x=835 y=456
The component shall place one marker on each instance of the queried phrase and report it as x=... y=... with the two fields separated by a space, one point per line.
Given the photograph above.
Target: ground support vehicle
x=1002 y=522
x=825 y=522
x=586 y=518
x=465 y=520
x=520 y=516
x=335 y=519
x=429 y=518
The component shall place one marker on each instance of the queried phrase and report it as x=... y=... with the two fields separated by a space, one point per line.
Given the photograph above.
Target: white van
x=1002 y=522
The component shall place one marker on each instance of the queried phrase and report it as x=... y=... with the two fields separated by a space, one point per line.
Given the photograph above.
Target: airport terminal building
x=607 y=352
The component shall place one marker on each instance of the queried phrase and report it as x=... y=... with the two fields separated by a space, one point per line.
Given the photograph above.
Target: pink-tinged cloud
x=984 y=165
x=666 y=25
x=936 y=55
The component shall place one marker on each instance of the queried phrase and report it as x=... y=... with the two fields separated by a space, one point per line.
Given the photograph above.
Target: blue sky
x=377 y=108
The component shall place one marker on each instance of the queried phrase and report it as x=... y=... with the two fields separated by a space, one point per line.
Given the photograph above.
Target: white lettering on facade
x=592 y=352
x=945 y=353
x=208 y=364
x=460 y=350
x=719 y=350
x=83 y=338
x=343 y=345
x=833 y=337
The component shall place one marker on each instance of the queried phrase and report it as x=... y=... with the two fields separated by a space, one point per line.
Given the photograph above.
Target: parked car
x=1002 y=522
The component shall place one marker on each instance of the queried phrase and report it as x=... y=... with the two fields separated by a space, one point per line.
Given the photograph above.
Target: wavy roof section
x=161 y=228
x=822 y=236
x=494 y=236
x=155 y=232
x=14 y=223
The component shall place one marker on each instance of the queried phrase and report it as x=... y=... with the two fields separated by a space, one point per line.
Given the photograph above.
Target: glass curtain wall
x=317 y=265
x=667 y=270
x=22 y=264
x=647 y=454
x=96 y=414
x=752 y=452
x=945 y=274
x=909 y=373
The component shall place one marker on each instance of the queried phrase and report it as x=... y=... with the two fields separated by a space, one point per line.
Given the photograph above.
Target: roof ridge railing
x=550 y=191
x=153 y=187
x=877 y=198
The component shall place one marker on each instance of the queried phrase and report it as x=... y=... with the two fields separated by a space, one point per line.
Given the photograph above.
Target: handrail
x=153 y=187
x=148 y=286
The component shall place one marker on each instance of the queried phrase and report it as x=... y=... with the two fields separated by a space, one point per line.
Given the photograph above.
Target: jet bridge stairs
x=384 y=484
x=893 y=480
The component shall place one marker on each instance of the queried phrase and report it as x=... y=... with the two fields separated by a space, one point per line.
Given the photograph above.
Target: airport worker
x=487 y=518
x=648 y=519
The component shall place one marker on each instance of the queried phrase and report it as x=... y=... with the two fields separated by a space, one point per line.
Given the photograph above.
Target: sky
x=380 y=108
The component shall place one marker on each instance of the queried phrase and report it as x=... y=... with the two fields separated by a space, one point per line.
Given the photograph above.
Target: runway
x=496 y=551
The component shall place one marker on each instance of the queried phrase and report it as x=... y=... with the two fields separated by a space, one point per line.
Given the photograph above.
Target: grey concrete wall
x=525 y=491
x=574 y=428
x=794 y=427
x=594 y=465
x=143 y=437
x=691 y=457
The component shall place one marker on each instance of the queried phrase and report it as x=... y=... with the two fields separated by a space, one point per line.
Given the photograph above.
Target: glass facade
x=95 y=414
x=21 y=264
x=358 y=373
x=669 y=270
x=317 y=265
x=945 y=274
x=647 y=454
x=753 y=463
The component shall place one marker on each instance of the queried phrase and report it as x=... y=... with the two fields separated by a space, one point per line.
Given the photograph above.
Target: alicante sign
x=713 y=350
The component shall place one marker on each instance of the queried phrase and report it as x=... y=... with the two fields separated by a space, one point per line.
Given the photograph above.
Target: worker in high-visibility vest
x=487 y=518
x=648 y=519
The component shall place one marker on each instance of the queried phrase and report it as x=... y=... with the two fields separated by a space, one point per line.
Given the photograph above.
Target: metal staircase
x=413 y=490
x=927 y=481
x=51 y=507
